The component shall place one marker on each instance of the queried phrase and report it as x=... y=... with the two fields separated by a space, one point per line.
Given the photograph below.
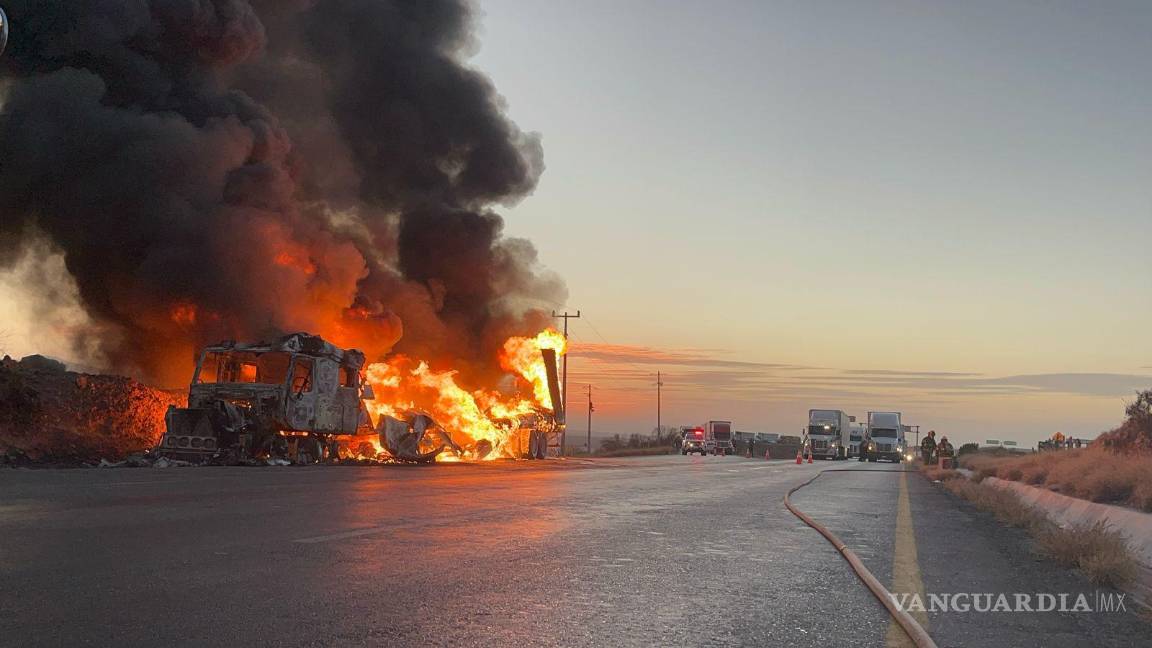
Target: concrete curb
x=1067 y=511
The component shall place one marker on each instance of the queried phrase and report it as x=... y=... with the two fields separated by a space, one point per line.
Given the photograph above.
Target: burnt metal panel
x=553 y=383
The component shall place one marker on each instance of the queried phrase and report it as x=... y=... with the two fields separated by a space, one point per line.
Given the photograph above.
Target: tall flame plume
x=476 y=418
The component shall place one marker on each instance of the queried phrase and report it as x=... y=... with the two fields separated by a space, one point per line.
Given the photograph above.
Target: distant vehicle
x=829 y=433
x=887 y=434
x=855 y=438
x=692 y=440
x=718 y=437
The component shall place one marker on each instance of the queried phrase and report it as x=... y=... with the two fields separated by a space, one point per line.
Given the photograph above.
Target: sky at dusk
x=940 y=208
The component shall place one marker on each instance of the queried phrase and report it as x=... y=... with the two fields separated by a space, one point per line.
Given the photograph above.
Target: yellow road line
x=905 y=568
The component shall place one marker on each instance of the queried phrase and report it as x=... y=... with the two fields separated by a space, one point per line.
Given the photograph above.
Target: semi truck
x=887 y=436
x=855 y=438
x=829 y=433
x=718 y=437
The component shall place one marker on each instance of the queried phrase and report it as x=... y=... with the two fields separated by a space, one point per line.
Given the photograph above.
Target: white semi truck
x=829 y=433
x=855 y=438
x=887 y=435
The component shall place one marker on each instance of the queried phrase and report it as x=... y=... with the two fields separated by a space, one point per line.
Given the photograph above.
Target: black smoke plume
x=216 y=169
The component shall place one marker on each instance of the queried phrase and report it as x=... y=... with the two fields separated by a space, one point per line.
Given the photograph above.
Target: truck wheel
x=542 y=448
x=684 y=452
x=309 y=451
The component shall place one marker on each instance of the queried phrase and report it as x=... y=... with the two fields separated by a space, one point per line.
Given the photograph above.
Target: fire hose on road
x=914 y=630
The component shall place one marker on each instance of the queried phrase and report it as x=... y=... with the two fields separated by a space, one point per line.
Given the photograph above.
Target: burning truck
x=303 y=399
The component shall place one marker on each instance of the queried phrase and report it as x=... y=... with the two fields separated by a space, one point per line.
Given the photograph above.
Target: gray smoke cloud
x=235 y=168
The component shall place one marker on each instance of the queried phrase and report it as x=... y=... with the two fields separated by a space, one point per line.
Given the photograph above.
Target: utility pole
x=659 y=384
x=564 y=380
x=590 y=410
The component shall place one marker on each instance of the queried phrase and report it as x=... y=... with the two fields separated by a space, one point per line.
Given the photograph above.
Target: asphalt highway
x=668 y=551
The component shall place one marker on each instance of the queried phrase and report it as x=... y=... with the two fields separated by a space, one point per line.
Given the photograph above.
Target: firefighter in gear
x=945 y=452
x=928 y=447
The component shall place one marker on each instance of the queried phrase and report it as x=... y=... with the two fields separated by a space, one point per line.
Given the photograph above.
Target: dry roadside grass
x=1094 y=474
x=936 y=473
x=1101 y=553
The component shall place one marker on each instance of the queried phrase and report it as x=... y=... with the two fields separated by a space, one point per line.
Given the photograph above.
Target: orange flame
x=522 y=355
x=468 y=417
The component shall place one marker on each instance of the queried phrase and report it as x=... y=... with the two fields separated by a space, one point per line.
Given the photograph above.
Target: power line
x=659 y=384
x=646 y=372
x=590 y=410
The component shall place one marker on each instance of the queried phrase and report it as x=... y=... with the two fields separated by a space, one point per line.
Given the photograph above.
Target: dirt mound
x=48 y=414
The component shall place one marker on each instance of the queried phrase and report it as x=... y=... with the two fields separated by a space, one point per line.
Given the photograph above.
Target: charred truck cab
x=296 y=397
x=829 y=432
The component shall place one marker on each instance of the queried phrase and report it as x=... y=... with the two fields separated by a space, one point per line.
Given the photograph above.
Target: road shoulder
x=964 y=550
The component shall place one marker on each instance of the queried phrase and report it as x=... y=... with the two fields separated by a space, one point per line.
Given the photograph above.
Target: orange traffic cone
x=809 y=456
x=799 y=457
